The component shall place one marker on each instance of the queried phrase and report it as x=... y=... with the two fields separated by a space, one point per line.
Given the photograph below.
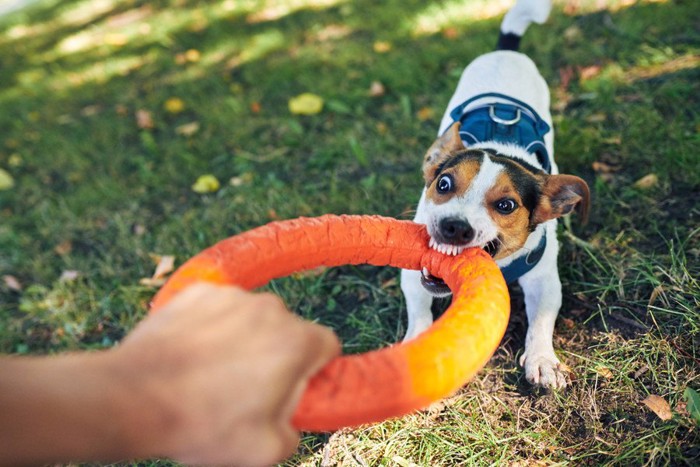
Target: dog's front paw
x=544 y=370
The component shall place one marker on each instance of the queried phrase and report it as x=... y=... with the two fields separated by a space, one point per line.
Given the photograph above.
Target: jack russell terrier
x=491 y=182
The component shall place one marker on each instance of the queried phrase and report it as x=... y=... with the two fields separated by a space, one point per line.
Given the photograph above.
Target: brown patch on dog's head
x=514 y=226
x=460 y=170
x=442 y=149
x=561 y=194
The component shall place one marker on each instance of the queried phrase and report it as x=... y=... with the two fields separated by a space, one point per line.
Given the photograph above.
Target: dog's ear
x=446 y=145
x=560 y=195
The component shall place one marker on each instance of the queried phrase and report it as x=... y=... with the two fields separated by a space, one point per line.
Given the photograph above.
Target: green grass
x=97 y=194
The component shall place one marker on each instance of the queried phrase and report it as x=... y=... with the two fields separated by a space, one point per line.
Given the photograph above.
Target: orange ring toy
x=370 y=387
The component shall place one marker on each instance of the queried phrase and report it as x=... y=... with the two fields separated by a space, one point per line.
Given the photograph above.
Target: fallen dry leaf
x=69 y=276
x=255 y=107
x=588 y=72
x=144 y=119
x=193 y=55
x=561 y=99
x=604 y=371
x=450 y=33
x=568 y=323
x=306 y=104
x=187 y=129
x=150 y=282
x=12 y=283
x=376 y=89
x=566 y=74
x=174 y=105
x=242 y=179
x=138 y=230
x=382 y=47
x=647 y=181
x=206 y=184
x=63 y=248
x=567 y=369
x=436 y=407
x=6 y=180
x=658 y=290
x=15 y=160
x=602 y=167
x=682 y=409
x=659 y=406
x=572 y=33
x=166 y=264
x=426 y=113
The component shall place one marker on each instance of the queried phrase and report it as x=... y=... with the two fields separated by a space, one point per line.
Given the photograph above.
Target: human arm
x=213 y=377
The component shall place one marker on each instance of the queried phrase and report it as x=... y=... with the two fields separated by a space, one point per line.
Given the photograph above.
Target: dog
x=491 y=182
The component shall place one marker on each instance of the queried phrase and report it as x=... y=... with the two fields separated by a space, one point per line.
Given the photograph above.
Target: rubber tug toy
x=364 y=388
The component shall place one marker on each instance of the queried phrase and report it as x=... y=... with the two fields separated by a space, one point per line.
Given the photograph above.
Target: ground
x=112 y=109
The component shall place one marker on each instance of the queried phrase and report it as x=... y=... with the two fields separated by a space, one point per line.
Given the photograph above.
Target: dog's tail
x=518 y=18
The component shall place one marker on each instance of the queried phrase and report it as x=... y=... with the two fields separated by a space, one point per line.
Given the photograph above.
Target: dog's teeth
x=425 y=272
x=452 y=250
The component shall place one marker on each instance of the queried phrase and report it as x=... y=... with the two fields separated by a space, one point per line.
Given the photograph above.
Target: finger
x=267 y=445
x=319 y=347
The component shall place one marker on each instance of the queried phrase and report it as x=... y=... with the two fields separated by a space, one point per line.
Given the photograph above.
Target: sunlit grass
x=271 y=10
x=436 y=17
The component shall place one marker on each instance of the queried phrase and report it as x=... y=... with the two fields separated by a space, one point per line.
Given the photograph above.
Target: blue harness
x=512 y=122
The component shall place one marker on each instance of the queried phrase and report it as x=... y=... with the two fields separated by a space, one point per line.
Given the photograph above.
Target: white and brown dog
x=491 y=182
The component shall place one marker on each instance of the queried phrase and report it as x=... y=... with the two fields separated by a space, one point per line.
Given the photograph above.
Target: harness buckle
x=497 y=119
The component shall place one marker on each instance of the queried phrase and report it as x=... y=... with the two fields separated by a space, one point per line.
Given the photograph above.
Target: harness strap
x=525 y=263
x=514 y=122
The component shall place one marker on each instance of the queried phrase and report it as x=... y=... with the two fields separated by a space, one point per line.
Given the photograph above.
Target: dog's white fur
x=513 y=74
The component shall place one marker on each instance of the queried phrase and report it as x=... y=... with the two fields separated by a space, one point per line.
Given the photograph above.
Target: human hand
x=222 y=371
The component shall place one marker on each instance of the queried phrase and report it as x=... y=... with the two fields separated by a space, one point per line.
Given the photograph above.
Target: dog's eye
x=506 y=206
x=444 y=184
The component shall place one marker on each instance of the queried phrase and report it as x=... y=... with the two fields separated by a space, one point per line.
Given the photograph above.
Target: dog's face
x=476 y=198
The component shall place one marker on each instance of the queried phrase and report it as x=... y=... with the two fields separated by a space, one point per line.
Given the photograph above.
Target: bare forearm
x=206 y=380
x=70 y=408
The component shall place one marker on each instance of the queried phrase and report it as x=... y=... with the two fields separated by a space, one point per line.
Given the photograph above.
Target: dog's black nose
x=456 y=231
